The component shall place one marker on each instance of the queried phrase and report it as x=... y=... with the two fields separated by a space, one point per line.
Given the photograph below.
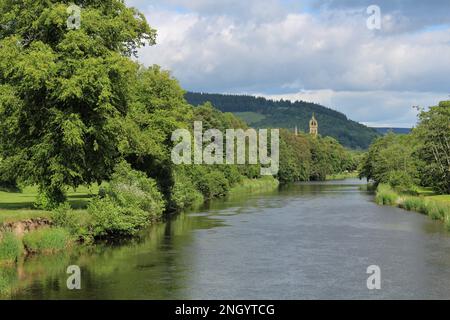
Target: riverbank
x=26 y=231
x=263 y=184
x=436 y=207
x=343 y=175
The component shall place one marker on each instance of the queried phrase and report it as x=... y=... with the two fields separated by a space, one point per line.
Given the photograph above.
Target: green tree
x=64 y=94
x=434 y=133
x=391 y=159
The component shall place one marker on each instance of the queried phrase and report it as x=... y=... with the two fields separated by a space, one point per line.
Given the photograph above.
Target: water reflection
x=304 y=241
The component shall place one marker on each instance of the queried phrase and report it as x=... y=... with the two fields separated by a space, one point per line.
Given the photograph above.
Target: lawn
x=19 y=206
x=429 y=194
x=441 y=198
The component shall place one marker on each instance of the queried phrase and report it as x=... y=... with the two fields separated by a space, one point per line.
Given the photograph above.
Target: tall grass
x=47 y=240
x=10 y=248
x=386 y=196
x=437 y=210
x=254 y=185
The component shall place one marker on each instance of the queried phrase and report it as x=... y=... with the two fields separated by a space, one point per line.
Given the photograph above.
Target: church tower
x=313 y=126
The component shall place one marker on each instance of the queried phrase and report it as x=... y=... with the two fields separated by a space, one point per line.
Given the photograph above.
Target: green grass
x=343 y=176
x=47 y=240
x=442 y=198
x=436 y=207
x=254 y=185
x=386 y=195
x=10 y=248
x=20 y=206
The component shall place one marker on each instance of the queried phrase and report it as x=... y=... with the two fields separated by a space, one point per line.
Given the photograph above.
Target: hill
x=264 y=113
x=394 y=130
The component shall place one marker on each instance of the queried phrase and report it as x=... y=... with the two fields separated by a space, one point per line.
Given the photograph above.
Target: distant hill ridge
x=264 y=113
x=394 y=130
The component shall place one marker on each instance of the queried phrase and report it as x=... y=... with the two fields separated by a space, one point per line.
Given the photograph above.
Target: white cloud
x=246 y=47
x=374 y=108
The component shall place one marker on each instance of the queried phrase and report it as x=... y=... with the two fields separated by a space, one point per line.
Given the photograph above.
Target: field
x=19 y=206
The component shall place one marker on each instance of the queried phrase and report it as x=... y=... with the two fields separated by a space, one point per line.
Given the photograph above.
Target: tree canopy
x=64 y=94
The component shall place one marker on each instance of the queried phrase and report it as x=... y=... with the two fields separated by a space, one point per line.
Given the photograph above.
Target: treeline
x=264 y=113
x=419 y=159
x=76 y=109
x=305 y=158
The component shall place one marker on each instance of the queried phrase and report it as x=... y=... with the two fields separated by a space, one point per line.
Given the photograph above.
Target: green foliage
x=304 y=158
x=129 y=202
x=75 y=222
x=391 y=160
x=10 y=248
x=433 y=132
x=246 y=186
x=64 y=94
x=213 y=184
x=434 y=209
x=47 y=240
x=184 y=193
x=49 y=198
x=386 y=195
x=264 y=113
x=420 y=158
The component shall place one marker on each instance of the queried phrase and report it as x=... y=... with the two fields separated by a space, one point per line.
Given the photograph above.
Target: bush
x=48 y=240
x=10 y=248
x=213 y=184
x=64 y=216
x=129 y=202
x=111 y=219
x=183 y=193
x=400 y=180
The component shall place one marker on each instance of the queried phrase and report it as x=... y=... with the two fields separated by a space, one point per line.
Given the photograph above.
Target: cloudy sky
x=314 y=50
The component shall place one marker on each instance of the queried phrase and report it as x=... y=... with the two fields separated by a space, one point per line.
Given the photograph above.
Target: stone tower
x=313 y=126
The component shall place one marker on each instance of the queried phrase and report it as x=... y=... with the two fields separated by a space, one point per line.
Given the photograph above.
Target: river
x=305 y=241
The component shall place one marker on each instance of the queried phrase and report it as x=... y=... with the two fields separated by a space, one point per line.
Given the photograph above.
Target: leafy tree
x=434 y=133
x=64 y=93
x=391 y=159
x=264 y=113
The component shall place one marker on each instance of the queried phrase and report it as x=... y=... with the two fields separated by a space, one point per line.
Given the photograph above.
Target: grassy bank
x=71 y=224
x=255 y=185
x=343 y=176
x=436 y=207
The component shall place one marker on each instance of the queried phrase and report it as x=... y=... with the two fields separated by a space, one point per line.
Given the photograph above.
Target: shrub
x=47 y=240
x=400 y=180
x=110 y=219
x=213 y=184
x=64 y=216
x=10 y=248
x=129 y=202
x=183 y=192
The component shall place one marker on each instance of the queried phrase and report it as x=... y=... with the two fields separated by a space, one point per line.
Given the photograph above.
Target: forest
x=263 y=113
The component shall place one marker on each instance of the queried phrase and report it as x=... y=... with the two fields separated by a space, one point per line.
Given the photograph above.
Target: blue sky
x=314 y=50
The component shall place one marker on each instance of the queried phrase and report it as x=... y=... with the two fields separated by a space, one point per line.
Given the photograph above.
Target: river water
x=306 y=241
